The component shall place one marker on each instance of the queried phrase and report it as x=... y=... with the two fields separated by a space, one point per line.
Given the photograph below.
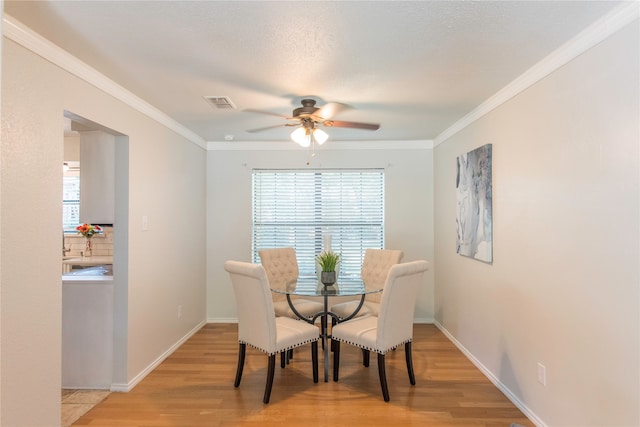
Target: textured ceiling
x=414 y=67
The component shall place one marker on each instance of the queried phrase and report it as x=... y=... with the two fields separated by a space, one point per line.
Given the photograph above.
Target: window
x=298 y=208
x=70 y=203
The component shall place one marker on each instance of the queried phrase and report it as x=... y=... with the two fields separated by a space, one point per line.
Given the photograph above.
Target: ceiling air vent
x=220 y=102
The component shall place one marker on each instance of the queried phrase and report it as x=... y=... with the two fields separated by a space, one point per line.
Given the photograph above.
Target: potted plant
x=328 y=262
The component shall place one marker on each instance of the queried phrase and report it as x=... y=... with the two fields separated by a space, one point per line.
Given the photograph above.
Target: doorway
x=94 y=349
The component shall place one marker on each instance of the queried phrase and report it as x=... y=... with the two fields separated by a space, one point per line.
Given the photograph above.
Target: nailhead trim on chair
x=279 y=351
x=374 y=349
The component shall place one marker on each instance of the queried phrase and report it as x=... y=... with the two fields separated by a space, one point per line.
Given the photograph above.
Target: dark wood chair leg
x=286 y=357
x=241 y=352
x=334 y=322
x=314 y=360
x=383 y=377
x=407 y=354
x=365 y=357
x=270 y=371
x=336 y=358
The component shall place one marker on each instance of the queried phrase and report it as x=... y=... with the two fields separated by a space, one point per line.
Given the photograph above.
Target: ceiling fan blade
x=251 y=110
x=271 y=127
x=331 y=109
x=354 y=125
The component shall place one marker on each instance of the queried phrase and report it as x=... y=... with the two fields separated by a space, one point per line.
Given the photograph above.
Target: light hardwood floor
x=194 y=387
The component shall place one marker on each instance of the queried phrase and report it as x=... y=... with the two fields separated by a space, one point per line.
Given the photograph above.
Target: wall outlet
x=179 y=312
x=542 y=374
x=145 y=223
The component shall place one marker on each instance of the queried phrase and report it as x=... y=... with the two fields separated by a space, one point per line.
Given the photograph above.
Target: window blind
x=298 y=208
x=70 y=203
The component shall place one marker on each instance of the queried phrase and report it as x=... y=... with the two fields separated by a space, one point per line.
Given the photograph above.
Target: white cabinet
x=97 y=177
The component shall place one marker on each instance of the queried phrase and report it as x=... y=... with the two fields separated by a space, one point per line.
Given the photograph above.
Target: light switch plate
x=542 y=374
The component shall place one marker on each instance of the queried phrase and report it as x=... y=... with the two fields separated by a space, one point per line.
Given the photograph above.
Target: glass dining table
x=346 y=289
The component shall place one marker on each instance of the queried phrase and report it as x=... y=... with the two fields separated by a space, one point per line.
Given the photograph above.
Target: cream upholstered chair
x=391 y=328
x=281 y=266
x=258 y=325
x=375 y=266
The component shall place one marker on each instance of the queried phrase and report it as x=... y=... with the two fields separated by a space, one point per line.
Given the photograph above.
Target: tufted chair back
x=281 y=266
x=375 y=267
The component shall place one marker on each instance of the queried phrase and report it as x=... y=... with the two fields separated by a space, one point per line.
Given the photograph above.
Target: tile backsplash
x=102 y=244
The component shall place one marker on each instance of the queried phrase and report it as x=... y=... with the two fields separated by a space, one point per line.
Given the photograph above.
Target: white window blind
x=298 y=208
x=70 y=203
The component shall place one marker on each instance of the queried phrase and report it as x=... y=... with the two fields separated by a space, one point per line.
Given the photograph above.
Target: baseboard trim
x=126 y=387
x=504 y=389
x=222 y=320
x=420 y=320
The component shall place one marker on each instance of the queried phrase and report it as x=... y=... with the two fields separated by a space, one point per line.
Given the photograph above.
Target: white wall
x=408 y=209
x=564 y=286
x=166 y=264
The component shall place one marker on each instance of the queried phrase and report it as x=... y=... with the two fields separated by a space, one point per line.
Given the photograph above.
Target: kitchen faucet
x=64 y=249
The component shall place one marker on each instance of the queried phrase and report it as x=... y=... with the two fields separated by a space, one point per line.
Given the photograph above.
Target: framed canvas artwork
x=474 y=217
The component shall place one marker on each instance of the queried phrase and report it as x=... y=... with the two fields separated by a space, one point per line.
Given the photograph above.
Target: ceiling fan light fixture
x=301 y=137
x=310 y=117
x=320 y=136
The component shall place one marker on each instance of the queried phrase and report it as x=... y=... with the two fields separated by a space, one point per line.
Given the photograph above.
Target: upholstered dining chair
x=281 y=265
x=258 y=325
x=375 y=266
x=391 y=328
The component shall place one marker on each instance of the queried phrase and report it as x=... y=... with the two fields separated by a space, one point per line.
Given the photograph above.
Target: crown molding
x=16 y=31
x=583 y=41
x=329 y=145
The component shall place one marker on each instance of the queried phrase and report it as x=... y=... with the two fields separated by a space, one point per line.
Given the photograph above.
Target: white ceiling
x=414 y=67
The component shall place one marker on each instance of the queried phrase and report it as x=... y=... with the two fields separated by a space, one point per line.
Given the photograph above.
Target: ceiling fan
x=308 y=118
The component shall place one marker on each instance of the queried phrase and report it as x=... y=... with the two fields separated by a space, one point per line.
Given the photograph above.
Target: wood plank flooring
x=194 y=387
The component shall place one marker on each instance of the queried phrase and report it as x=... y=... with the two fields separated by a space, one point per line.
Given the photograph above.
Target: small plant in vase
x=88 y=230
x=328 y=262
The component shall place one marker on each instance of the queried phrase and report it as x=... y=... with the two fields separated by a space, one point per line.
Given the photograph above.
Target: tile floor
x=75 y=403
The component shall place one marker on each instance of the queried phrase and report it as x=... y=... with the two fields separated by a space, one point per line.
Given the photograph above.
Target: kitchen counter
x=66 y=279
x=91 y=260
x=85 y=262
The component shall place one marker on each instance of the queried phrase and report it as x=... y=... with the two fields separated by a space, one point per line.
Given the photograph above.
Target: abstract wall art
x=474 y=216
